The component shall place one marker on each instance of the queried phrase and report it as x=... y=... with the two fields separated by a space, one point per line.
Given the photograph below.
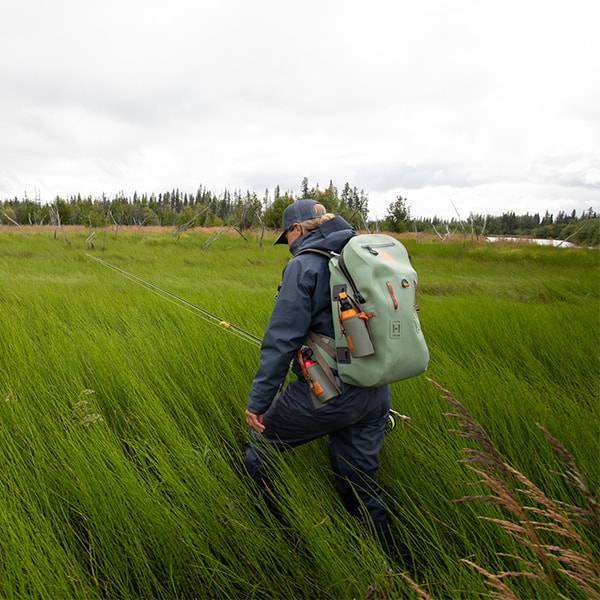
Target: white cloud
x=493 y=106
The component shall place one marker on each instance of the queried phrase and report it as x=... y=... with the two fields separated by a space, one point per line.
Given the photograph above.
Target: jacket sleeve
x=287 y=328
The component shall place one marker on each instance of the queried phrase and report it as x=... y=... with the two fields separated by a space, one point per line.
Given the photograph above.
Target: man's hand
x=254 y=422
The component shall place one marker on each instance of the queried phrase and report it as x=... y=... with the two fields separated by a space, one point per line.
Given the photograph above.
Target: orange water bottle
x=320 y=384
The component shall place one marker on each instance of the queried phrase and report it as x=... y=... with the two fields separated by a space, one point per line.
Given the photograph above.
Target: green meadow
x=122 y=428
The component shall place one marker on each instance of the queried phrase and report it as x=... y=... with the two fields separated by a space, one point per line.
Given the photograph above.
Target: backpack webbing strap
x=323 y=349
x=344 y=269
x=316 y=251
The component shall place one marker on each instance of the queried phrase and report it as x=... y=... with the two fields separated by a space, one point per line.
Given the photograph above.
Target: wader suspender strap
x=322 y=345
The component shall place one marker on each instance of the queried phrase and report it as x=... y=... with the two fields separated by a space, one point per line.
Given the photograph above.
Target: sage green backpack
x=375 y=272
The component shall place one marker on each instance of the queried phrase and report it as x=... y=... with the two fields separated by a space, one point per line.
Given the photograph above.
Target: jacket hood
x=331 y=236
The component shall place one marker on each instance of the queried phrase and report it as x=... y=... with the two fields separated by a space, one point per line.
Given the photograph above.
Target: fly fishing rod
x=183 y=303
x=213 y=319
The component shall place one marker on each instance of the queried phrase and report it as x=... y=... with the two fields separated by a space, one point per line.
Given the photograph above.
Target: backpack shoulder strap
x=344 y=269
x=316 y=251
x=342 y=266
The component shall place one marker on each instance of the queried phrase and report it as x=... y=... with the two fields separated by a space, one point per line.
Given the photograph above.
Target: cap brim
x=282 y=239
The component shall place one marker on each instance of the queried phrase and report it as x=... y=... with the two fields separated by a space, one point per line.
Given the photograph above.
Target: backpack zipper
x=372 y=247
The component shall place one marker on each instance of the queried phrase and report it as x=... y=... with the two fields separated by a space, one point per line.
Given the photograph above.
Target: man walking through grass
x=355 y=420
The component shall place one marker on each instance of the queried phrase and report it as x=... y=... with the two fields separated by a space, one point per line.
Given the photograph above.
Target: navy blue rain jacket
x=302 y=305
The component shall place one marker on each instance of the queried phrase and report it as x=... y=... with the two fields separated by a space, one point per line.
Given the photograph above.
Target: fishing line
x=209 y=317
x=198 y=311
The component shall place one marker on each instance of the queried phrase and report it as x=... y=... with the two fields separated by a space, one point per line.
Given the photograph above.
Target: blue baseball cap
x=301 y=210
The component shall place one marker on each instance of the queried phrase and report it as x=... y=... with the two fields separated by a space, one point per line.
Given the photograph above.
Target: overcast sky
x=458 y=105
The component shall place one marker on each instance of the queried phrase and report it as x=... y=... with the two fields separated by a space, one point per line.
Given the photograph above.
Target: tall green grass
x=122 y=422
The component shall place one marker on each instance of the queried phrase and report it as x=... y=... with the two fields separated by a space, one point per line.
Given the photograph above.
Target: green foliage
x=244 y=210
x=582 y=233
x=398 y=216
x=122 y=422
x=274 y=213
x=328 y=198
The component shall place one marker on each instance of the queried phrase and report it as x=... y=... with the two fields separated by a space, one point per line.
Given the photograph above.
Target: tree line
x=246 y=210
x=583 y=229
